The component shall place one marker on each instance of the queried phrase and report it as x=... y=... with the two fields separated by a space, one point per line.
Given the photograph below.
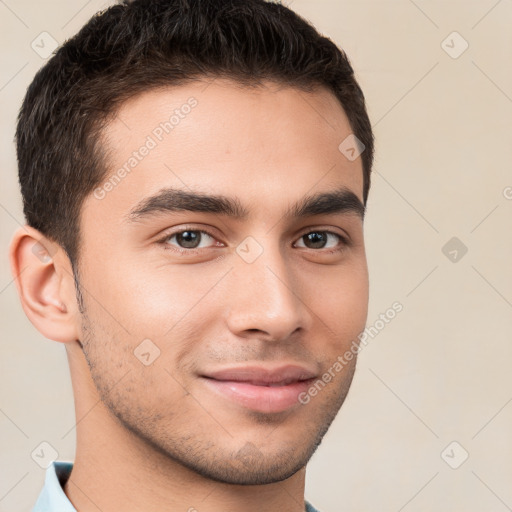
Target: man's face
x=191 y=315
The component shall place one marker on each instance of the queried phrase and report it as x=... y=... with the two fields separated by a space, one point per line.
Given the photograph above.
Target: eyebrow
x=338 y=201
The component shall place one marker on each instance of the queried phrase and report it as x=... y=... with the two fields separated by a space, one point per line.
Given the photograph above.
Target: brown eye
x=188 y=240
x=320 y=239
x=315 y=240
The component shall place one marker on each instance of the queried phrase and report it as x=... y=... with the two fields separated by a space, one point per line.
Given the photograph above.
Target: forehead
x=273 y=141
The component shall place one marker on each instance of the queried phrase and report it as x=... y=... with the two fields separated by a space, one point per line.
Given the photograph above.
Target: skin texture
x=155 y=437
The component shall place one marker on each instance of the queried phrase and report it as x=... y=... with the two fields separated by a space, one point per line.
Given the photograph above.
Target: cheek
x=130 y=374
x=151 y=299
x=340 y=300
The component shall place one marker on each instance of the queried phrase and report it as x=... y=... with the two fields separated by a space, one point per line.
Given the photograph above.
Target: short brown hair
x=143 y=44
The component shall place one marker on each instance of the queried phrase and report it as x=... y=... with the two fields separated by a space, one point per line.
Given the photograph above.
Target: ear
x=45 y=283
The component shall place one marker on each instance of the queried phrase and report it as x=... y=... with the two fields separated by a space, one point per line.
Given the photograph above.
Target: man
x=194 y=177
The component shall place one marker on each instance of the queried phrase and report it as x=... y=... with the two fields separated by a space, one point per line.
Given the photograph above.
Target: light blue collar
x=53 y=498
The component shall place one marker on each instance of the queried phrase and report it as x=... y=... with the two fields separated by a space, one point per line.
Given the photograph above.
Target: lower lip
x=265 y=399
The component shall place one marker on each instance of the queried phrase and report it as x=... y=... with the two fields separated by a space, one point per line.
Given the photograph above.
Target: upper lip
x=262 y=376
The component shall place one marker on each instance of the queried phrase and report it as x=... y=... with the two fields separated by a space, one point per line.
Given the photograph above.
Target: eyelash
x=344 y=241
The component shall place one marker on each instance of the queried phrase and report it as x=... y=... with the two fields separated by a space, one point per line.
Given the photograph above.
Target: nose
x=265 y=299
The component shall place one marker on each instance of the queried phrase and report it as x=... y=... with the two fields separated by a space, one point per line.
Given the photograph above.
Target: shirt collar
x=52 y=498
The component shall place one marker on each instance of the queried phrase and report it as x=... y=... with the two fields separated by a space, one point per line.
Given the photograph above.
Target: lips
x=262 y=389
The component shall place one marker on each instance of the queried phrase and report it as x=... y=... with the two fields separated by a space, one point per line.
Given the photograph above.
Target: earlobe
x=44 y=280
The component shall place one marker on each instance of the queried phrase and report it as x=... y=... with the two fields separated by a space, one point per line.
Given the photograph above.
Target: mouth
x=261 y=389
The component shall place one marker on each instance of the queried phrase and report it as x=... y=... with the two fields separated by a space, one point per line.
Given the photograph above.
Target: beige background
x=440 y=371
